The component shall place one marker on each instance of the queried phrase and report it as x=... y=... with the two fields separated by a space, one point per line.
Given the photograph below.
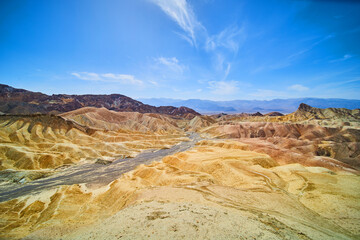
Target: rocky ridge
x=20 y=101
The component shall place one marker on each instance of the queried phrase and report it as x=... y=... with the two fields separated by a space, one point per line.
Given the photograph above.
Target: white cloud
x=87 y=76
x=230 y=38
x=298 y=87
x=181 y=12
x=154 y=83
x=222 y=46
x=344 y=58
x=224 y=87
x=108 y=77
x=171 y=63
x=227 y=71
x=219 y=60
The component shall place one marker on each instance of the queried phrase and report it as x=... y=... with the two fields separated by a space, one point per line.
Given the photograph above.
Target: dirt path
x=92 y=173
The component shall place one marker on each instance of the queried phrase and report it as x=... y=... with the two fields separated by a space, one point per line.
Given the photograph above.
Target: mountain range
x=252 y=106
x=20 y=101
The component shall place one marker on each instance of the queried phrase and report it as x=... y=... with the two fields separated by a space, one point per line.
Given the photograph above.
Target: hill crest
x=20 y=101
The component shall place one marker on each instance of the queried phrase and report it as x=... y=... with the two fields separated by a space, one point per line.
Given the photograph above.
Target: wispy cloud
x=266 y=94
x=353 y=30
x=108 y=77
x=154 y=83
x=292 y=58
x=171 y=63
x=224 y=87
x=222 y=46
x=274 y=66
x=303 y=51
x=181 y=12
x=230 y=38
x=221 y=65
x=298 y=87
x=344 y=58
x=334 y=85
x=227 y=71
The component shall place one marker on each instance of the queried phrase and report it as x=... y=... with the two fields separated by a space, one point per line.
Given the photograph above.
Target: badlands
x=100 y=173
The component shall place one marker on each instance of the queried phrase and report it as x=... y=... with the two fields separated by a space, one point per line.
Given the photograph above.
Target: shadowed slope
x=20 y=101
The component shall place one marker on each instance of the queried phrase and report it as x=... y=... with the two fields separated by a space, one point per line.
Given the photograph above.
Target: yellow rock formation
x=102 y=118
x=47 y=141
x=218 y=189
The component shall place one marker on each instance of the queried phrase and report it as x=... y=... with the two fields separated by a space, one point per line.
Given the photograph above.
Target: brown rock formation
x=306 y=112
x=20 y=101
x=274 y=114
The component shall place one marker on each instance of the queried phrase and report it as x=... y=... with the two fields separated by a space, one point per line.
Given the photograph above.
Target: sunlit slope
x=305 y=114
x=218 y=189
x=306 y=144
x=48 y=141
x=102 y=118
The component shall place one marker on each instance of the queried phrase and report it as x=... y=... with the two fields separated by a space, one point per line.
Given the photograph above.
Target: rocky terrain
x=20 y=101
x=305 y=114
x=218 y=189
x=46 y=142
x=104 y=119
x=250 y=176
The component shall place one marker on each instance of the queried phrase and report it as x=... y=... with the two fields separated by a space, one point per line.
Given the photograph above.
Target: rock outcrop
x=306 y=112
x=274 y=114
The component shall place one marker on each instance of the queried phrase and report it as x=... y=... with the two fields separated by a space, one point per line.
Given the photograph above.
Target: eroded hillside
x=102 y=118
x=48 y=141
x=190 y=194
x=305 y=114
x=247 y=179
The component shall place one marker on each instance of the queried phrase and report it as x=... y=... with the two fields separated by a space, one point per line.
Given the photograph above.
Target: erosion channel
x=92 y=173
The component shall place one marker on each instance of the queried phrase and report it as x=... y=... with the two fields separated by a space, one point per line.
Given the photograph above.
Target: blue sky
x=207 y=49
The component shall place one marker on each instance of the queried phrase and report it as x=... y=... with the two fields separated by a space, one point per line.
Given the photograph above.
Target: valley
x=96 y=173
x=89 y=172
x=179 y=119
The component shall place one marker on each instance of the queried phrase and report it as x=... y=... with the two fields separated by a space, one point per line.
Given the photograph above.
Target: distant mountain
x=252 y=106
x=20 y=101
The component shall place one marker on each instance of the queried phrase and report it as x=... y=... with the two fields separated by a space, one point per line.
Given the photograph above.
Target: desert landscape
x=96 y=173
x=179 y=119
